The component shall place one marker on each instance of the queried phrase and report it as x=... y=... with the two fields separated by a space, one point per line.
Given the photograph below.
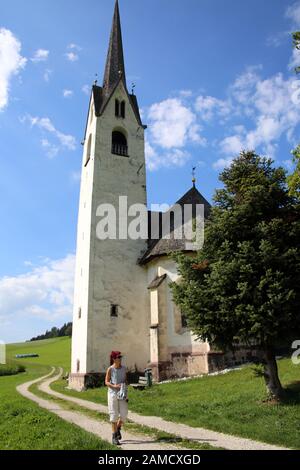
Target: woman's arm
x=107 y=381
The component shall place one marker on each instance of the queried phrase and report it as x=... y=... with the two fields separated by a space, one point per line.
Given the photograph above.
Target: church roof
x=114 y=72
x=163 y=246
x=101 y=100
x=157 y=282
x=115 y=67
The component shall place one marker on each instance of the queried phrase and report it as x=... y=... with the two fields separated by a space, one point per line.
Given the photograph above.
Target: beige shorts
x=117 y=408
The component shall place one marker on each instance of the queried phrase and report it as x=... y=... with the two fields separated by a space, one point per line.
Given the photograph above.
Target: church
x=122 y=297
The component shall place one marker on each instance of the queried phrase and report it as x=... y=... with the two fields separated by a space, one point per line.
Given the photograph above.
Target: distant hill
x=52 y=352
x=65 y=330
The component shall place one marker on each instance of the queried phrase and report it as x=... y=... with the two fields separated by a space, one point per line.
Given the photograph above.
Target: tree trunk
x=272 y=381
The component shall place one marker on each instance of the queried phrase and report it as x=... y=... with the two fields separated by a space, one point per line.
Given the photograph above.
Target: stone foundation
x=183 y=364
x=218 y=360
x=81 y=382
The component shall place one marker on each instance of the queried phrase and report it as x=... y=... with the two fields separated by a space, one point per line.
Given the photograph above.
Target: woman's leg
x=114 y=427
x=123 y=412
x=113 y=416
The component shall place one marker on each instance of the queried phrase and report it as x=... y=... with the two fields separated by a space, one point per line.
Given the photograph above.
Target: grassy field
x=52 y=352
x=159 y=436
x=232 y=403
x=23 y=425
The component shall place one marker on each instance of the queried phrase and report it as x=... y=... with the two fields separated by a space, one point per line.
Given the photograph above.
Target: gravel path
x=99 y=428
x=200 y=435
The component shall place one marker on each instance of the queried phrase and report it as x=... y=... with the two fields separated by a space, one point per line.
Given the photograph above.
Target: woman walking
x=116 y=382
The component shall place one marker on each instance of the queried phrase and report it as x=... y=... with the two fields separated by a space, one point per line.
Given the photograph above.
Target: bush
x=11 y=369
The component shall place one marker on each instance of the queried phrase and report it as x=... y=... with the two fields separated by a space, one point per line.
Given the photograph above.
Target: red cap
x=115 y=354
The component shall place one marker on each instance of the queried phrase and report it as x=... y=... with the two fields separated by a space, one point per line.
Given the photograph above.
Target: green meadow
x=233 y=403
x=23 y=424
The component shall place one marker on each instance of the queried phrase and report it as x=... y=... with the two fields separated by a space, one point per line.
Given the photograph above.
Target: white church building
x=122 y=298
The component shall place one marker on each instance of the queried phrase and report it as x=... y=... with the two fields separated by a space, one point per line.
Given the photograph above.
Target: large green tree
x=294 y=178
x=243 y=287
x=296 y=40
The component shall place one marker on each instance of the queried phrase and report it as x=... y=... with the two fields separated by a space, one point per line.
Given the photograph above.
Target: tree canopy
x=243 y=286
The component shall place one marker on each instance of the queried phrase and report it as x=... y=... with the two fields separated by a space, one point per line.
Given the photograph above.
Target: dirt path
x=200 y=435
x=99 y=428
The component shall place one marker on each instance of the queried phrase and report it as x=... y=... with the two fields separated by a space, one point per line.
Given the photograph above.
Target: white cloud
x=232 y=144
x=177 y=157
x=46 y=291
x=67 y=93
x=295 y=59
x=258 y=112
x=71 y=56
x=277 y=39
x=289 y=164
x=76 y=176
x=222 y=163
x=152 y=158
x=271 y=104
x=243 y=86
x=47 y=75
x=74 y=47
x=164 y=158
x=51 y=149
x=173 y=124
x=86 y=89
x=41 y=55
x=186 y=93
x=293 y=13
x=45 y=124
x=11 y=63
x=209 y=107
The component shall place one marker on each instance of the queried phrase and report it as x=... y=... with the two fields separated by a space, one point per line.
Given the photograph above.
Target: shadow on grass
x=180 y=440
x=292 y=394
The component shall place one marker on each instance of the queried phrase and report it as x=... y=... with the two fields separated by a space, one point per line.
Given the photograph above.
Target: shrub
x=11 y=369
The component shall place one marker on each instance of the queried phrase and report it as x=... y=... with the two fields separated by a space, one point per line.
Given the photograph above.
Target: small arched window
x=123 y=109
x=114 y=310
x=119 y=144
x=78 y=366
x=88 y=150
x=117 y=108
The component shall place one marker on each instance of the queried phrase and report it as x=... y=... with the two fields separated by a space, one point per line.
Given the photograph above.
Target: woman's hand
x=117 y=386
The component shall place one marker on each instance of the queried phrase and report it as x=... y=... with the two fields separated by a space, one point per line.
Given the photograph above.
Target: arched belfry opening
x=123 y=109
x=117 y=108
x=120 y=109
x=119 y=143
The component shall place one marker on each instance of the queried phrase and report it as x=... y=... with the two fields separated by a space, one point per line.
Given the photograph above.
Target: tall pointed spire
x=115 y=67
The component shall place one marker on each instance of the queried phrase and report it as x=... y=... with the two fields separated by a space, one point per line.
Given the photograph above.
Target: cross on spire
x=194 y=176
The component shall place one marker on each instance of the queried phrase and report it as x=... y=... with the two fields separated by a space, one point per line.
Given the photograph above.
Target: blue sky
x=212 y=77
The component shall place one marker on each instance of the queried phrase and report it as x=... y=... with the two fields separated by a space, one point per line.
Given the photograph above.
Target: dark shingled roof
x=114 y=72
x=115 y=67
x=101 y=100
x=163 y=246
x=157 y=281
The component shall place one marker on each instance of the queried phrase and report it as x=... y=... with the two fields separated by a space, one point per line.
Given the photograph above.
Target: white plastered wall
x=106 y=270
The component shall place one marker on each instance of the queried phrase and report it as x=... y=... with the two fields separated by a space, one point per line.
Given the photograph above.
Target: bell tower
x=111 y=305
